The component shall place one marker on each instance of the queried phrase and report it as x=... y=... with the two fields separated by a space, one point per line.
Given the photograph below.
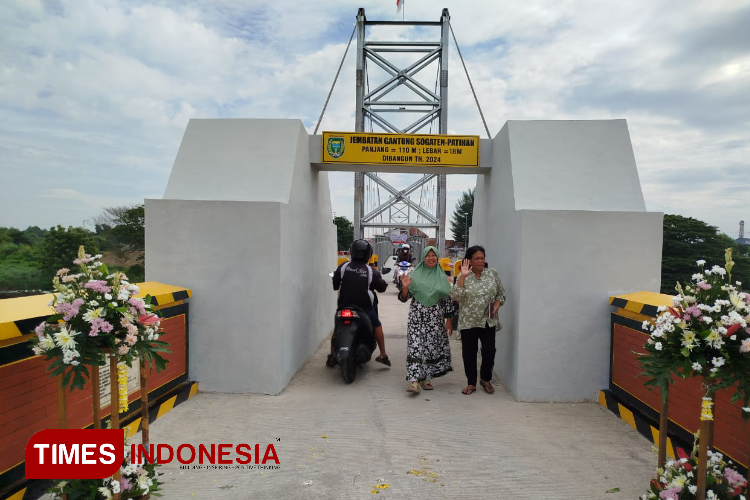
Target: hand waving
x=405 y=281
x=465 y=268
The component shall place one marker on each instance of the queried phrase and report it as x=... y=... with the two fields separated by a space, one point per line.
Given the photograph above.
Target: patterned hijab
x=429 y=285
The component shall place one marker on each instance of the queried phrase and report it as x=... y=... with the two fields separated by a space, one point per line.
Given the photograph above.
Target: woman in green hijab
x=428 y=353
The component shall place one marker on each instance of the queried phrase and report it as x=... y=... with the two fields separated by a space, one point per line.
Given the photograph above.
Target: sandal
x=487 y=386
x=413 y=387
x=469 y=389
x=384 y=360
x=426 y=385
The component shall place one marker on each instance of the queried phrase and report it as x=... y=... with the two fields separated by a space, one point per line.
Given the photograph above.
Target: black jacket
x=356 y=285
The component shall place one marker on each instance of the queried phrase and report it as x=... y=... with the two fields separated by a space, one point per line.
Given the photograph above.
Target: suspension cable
x=335 y=79
x=470 y=84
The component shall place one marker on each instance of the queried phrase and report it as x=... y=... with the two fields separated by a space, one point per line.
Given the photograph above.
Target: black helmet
x=360 y=251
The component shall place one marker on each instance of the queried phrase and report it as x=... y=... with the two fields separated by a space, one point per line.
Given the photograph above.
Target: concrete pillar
x=564 y=222
x=247 y=225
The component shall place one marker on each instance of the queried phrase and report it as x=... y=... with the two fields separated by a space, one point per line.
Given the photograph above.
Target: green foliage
x=19 y=267
x=130 y=228
x=105 y=239
x=21 y=276
x=462 y=216
x=122 y=228
x=136 y=273
x=60 y=246
x=687 y=240
x=344 y=232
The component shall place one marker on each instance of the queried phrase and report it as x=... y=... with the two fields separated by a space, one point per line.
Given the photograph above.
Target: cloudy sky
x=95 y=95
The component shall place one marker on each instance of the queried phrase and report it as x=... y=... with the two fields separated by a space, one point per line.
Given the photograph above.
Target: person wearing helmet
x=404 y=254
x=357 y=281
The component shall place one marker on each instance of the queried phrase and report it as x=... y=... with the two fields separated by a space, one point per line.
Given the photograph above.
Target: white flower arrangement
x=135 y=482
x=678 y=480
x=89 y=319
x=705 y=333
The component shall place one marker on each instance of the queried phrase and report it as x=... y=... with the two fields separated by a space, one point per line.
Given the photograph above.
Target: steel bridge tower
x=431 y=107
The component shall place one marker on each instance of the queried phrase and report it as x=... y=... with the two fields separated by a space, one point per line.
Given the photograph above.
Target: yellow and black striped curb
x=158 y=411
x=155 y=412
x=637 y=422
x=170 y=297
x=645 y=303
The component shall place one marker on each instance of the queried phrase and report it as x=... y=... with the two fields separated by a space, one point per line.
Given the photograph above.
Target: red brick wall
x=174 y=333
x=28 y=396
x=731 y=433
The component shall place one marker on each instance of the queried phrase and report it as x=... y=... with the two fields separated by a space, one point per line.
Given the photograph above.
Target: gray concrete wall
x=235 y=159
x=574 y=165
x=247 y=225
x=497 y=226
x=213 y=248
x=563 y=221
x=308 y=254
x=572 y=262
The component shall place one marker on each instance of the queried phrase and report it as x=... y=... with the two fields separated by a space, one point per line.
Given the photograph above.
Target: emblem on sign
x=335 y=146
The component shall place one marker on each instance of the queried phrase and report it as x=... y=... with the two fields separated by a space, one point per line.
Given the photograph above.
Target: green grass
x=22 y=276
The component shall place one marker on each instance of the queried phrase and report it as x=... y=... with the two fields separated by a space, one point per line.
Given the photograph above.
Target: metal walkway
x=339 y=441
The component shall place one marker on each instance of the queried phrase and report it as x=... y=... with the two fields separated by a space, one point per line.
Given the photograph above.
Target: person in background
x=480 y=294
x=428 y=353
x=357 y=281
x=404 y=253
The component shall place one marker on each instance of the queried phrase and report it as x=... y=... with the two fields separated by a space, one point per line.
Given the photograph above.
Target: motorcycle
x=353 y=340
x=403 y=268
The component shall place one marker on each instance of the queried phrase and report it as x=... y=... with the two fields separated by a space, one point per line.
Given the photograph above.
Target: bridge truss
x=399 y=91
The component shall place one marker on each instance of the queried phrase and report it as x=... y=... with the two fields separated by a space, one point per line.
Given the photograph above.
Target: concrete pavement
x=340 y=441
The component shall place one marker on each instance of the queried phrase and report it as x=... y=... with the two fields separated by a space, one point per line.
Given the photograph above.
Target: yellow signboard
x=401 y=149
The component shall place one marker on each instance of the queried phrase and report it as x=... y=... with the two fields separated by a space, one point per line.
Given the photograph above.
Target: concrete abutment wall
x=246 y=224
x=563 y=220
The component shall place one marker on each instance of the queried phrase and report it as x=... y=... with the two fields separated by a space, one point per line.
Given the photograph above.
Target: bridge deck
x=345 y=439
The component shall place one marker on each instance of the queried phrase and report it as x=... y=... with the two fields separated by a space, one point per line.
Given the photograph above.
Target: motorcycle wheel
x=348 y=369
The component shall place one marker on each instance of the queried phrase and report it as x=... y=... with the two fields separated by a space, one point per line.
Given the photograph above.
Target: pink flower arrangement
x=69 y=310
x=678 y=479
x=99 y=312
x=99 y=324
x=138 y=305
x=735 y=479
x=98 y=286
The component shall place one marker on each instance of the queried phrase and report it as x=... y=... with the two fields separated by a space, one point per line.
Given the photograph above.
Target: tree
x=687 y=240
x=344 y=232
x=130 y=228
x=462 y=215
x=60 y=247
x=126 y=224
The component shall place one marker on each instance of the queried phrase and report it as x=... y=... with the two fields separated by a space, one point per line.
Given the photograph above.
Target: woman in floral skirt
x=428 y=353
